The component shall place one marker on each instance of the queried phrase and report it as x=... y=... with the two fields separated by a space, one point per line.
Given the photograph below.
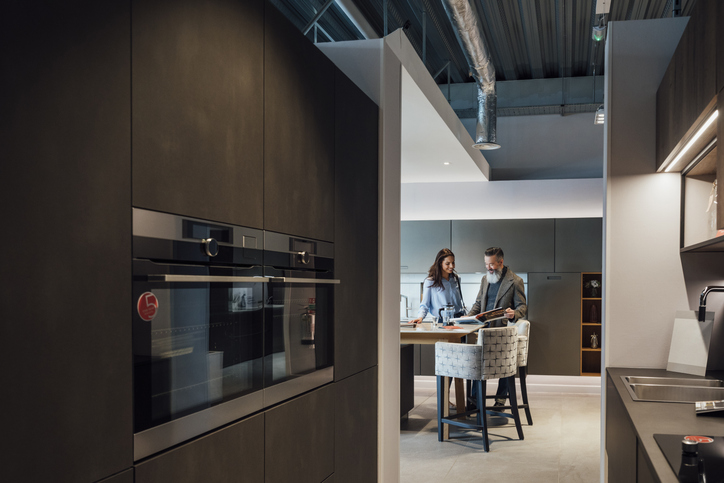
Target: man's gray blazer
x=510 y=295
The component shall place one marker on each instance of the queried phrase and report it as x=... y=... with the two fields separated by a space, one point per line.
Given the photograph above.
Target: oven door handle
x=303 y=280
x=205 y=278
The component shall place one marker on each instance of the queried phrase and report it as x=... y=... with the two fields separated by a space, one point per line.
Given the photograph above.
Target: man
x=502 y=288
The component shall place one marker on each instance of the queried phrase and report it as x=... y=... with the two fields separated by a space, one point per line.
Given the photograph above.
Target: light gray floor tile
x=563 y=445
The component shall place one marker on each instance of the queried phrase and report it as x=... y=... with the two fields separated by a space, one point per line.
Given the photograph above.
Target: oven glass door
x=298 y=337
x=196 y=344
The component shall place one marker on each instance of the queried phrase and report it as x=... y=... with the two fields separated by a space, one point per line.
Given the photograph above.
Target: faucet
x=702 y=299
x=407 y=309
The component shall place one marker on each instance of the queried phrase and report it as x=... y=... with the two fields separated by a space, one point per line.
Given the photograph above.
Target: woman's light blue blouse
x=433 y=299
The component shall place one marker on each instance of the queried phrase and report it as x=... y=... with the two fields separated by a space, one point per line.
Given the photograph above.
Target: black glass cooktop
x=707 y=467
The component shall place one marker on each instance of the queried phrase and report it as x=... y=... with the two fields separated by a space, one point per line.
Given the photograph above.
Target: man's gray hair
x=494 y=252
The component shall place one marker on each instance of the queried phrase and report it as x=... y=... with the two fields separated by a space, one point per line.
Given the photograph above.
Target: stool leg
x=440 y=403
x=482 y=414
x=514 y=405
x=522 y=373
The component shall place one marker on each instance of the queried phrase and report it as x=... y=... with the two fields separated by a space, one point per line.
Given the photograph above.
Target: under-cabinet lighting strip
x=692 y=141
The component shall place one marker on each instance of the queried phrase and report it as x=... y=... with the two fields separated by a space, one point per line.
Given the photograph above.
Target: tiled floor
x=563 y=445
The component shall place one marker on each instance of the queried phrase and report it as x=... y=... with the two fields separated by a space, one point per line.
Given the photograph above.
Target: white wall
x=562 y=198
x=643 y=278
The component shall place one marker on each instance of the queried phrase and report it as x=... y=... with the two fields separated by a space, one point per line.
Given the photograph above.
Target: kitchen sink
x=672 y=389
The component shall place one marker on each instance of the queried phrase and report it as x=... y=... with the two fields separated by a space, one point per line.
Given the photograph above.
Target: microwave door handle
x=304 y=280
x=205 y=278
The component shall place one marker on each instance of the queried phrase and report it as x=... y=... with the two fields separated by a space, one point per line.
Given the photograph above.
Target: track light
x=599 y=31
x=599 y=115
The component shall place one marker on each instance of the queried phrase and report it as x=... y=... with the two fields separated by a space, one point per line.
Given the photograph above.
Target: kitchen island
x=633 y=453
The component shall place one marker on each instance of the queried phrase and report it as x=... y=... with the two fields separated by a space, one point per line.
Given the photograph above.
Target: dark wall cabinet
x=528 y=245
x=233 y=454
x=198 y=109
x=355 y=229
x=299 y=438
x=65 y=192
x=554 y=309
x=420 y=241
x=298 y=132
x=578 y=245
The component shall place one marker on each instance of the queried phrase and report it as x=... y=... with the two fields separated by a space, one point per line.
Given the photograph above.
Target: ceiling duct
x=465 y=24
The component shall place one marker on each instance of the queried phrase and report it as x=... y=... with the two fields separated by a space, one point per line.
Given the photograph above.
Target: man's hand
x=509 y=313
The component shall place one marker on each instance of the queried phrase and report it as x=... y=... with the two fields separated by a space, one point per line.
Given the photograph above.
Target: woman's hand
x=416 y=321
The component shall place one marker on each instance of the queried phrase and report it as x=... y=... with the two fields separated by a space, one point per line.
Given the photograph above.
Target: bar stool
x=523 y=336
x=494 y=357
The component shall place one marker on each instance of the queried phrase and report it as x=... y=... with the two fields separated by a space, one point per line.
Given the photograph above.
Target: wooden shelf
x=590 y=359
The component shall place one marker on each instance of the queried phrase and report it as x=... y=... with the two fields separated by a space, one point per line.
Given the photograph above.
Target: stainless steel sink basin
x=673 y=381
x=671 y=389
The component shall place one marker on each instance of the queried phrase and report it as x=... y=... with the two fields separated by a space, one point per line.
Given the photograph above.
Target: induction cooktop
x=709 y=462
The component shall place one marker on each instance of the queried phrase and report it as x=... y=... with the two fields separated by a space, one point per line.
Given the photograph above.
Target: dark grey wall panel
x=299 y=438
x=198 y=108
x=65 y=185
x=554 y=311
x=579 y=245
x=355 y=430
x=232 y=454
x=298 y=132
x=355 y=229
x=123 y=477
x=419 y=243
x=528 y=244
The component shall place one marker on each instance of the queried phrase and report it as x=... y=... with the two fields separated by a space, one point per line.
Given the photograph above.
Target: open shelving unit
x=591 y=290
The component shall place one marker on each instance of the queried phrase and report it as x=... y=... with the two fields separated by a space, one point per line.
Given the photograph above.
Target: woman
x=441 y=288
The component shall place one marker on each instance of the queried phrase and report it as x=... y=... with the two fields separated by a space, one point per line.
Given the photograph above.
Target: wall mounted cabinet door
x=299 y=438
x=65 y=196
x=528 y=245
x=198 y=108
x=298 y=132
x=719 y=46
x=554 y=311
x=355 y=228
x=579 y=245
x=235 y=453
x=419 y=243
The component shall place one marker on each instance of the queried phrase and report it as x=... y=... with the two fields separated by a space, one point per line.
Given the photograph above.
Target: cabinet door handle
x=205 y=278
x=303 y=280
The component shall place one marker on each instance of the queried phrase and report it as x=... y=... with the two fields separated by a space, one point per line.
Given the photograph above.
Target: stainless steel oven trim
x=162 y=437
x=302 y=280
x=278 y=242
x=294 y=387
x=206 y=278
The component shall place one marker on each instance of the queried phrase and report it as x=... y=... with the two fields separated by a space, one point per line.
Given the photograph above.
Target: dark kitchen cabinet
x=667 y=121
x=198 y=108
x=579 y=245
x=419 y=243
x=719 y=46
x=621 y=444
x=299 y=133
x=528 y=245
x=355 y=428
x=123 y=477
x=355 y=229
x=703 y=29
x=299 y=438
x=720 y=174
x=554 y=311
x=235 y=453
x=65 y=192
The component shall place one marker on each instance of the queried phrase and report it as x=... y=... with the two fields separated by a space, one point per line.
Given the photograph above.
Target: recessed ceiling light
x=446 y=163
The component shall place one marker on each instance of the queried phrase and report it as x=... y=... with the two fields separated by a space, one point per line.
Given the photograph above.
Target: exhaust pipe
x=465 y=23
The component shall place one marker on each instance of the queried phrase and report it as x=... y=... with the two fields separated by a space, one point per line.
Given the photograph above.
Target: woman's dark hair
x=435 y=273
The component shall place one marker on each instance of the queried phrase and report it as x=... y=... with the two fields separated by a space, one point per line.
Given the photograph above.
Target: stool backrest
x=500 y=352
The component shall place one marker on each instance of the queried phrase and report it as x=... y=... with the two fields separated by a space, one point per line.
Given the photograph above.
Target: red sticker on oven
x=147 y=306
x=700 y=439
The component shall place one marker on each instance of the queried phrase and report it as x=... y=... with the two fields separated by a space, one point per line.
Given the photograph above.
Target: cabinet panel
x=720 y=175
x=554 y=311
x=719 y=47
x=124 y=477
x=198 y=108
x=703 y=25
x=355 y=431
x=665 y=122
x=528 y=245
x=419 y=243
x=298 y=132
x=227 y=455
x=65 y=193
x=299 y=438
x=579 y=245
x=356 y=228
x=620 y=438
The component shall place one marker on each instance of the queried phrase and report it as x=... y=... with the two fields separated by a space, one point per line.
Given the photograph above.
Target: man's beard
x=495 y=276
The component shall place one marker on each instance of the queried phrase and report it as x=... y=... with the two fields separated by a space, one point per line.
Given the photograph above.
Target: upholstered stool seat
x=494 y=357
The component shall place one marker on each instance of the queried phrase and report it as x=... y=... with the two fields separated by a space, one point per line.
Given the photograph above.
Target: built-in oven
x=299 y=329
x=198 y=327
